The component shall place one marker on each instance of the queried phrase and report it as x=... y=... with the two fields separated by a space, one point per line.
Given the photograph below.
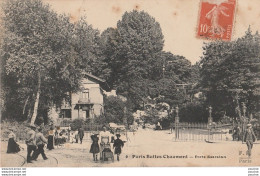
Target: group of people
x=76 y=136
x=35 y=142
x=99 y=145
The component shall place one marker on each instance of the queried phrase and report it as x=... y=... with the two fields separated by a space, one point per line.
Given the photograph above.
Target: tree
x=228 y=66
x=116 y=110
x=44 y=52
x=131 y=52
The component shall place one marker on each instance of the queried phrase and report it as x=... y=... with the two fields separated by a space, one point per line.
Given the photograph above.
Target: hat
x=249 y=125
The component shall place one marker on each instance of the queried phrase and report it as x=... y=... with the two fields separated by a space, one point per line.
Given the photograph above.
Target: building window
x=66 y=113
x=87 y=114
x=85 y=93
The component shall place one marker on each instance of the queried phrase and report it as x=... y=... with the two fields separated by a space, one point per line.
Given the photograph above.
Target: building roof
x=102 y=82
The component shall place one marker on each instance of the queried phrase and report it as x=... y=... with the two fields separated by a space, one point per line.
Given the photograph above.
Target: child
x=118 y=144
x=94 y=146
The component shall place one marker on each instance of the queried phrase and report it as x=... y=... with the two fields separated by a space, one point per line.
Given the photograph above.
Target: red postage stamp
x=216 y=19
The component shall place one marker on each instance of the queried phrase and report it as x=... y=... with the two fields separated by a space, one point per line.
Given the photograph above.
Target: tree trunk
x=35 y=109
x=25 y=104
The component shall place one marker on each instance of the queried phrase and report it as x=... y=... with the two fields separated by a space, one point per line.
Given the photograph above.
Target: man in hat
x=249 y=138
x=31 y=142
x=40 y=141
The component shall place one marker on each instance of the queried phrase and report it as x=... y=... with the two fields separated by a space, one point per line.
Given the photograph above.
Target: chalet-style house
x=85 y=104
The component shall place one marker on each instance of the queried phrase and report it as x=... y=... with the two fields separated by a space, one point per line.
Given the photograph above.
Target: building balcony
x=84 y=101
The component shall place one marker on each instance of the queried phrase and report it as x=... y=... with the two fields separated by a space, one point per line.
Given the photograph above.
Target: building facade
x=84 y=104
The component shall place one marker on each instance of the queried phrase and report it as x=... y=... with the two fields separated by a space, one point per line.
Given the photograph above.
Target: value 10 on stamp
x=216 y=19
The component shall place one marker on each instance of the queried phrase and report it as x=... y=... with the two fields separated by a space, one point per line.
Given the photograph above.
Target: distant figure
x=236 y=133
x=31 y=143
x=76 y=136
x=81 y=134
x=94 y=146
x=118 y=144
x=40 y=141
x=158 y=127
x=50 y=145
x=12 y=147
x=249 y=138
x=56 y=133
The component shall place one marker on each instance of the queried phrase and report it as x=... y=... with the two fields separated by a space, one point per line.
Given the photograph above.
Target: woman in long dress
x=12 y=147
x=50 y=145
x=94 y=146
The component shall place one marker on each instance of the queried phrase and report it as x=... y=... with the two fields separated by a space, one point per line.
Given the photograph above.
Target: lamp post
x=210 y=120
x=177 y=120
x=125 y=121
x=210 y=116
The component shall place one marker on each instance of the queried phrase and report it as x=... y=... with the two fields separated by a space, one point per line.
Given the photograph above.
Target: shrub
x=76 y=124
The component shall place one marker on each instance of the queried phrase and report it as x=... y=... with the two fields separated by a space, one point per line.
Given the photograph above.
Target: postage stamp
x=216 y=19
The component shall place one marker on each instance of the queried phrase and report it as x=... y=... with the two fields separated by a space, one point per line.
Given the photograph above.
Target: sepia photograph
x=130 y=83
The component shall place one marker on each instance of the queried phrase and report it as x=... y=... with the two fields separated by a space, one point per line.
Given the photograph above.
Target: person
x=31 y=143
x=105 y=133
x=105 y=137
x=69 y=130
x=236 y=133
x=50 y=145
x=158 y=127
x=118 y=144
x=12 y=146
x=81 y=134
x=40 y=141
x=76 y=136
x=249 y=138
x=94 y=146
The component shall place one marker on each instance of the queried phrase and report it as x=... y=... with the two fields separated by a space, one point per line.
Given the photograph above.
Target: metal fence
x=201 y=132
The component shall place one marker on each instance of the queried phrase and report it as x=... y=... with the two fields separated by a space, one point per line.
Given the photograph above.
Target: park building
x=85 y=104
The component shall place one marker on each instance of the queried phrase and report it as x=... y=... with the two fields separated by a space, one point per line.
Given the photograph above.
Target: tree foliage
x=134 y=53
x=45 y=50
x=232 y=67
x=117 y=111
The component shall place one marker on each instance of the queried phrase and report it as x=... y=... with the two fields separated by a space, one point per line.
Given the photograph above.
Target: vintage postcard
x=130 y=83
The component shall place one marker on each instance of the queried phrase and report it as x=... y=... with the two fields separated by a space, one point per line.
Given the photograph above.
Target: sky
x=178 y=19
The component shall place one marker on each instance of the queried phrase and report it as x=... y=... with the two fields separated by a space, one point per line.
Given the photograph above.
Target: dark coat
x=249 y=135
x=12 y=147
x=81 y=133
x=118 y=144
x=94 y=146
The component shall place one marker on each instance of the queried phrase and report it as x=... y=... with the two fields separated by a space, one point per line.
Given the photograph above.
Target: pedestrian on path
x=50 y=145
x=249 y=138
x=81 y=134
x=94 y=146
x=40 y=141
x=30 y=142
x=118 y=144
x=12 y=146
